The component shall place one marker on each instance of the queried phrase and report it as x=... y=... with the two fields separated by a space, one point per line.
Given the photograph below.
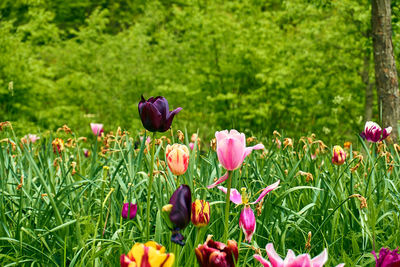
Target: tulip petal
x=274 y=258
x=221 y=135
x=263 y=261
x=247 y=222
x=161 y=105
x=169 y=119
x=386 y=132
x=290 y=256
x=151 y=117
x=266 y=191
x=248 y=150
x=302 y=260
x=220 y=180
x=321 y=259
x=235 y=196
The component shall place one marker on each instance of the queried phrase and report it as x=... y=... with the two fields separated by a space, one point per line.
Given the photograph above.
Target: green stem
x=228 y=195
x=240 y=241
x=150 y=187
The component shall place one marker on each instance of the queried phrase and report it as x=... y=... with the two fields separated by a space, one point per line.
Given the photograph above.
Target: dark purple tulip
x=387 y=258
x=125 y=210
x=181 y=201
x=155 y=114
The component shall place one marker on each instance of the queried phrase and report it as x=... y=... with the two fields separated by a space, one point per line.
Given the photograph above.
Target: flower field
x=162 y=197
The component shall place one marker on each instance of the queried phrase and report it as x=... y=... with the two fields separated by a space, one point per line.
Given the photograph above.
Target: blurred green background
x=295 y=66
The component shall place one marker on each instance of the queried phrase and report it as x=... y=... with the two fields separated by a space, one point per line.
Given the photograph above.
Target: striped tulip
x=150 y=254
x=200 y=213
x=339 y=156
x=374 y=133
x=177 y=158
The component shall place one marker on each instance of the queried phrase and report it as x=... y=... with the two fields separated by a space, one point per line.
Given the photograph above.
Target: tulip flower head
x=374 y=133
x=129 y=208
x=177 y=158
x=58 y=145
x=200 y=213
x=191 y=145
x=291 y=259
x=97 y=128
x=213 y=253
x=387 y=258
x=86 y=152
x=339 y=156
x=32 y=138
x=178 y=211
x=150 y=254
x=231 y=151
x=247 y=220
x=155 y=114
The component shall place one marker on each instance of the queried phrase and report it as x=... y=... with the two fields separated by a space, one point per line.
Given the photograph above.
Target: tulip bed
x=62 y=200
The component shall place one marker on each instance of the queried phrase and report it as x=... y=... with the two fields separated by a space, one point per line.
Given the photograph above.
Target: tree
x=385 y=66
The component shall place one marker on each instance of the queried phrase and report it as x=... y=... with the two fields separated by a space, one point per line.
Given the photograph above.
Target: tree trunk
x=385 y=66
x=369 y=94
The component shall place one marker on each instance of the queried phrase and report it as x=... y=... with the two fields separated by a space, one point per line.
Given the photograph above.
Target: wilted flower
x=32 y=138
x=387 y=258
x=339 y=156
x=97 y=128
x=231 y=151
x=178 y=211
x=303 y=260
x=247 y=219
x=200 y=213
x=58 y=145
x=373 y=132
x=213 y=253
x=287 y=142
x=150 y=254
x=177 y=158
x=129 y=208
x=155 y=114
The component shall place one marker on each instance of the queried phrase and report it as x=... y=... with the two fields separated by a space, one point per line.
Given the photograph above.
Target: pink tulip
x=231 y=151
x=247 y=222
x=97 y=128
x=32 y=138
x=191 y=145
x=303 y=260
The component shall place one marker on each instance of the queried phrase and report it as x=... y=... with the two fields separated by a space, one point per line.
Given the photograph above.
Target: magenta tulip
x=387 y=258
x=291 y=259
x=373 y=132
x=247 y=222
x=231 y=151
x=129 y=208
x=97 y=128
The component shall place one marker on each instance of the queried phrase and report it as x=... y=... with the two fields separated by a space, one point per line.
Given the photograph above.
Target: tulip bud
x=213 y=253
x=86 y=152
x=177 y=158
x=339 y=156
x=200 y=213
x=166 y=210
x=247 y=222
x=129 y=208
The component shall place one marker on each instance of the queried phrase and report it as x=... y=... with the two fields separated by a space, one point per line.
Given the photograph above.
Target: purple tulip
x=97 y=128
x=374 y=133
x=132 y=211
x=86 y=152
x=181 y=201
x=155 y=114
x=387 y=258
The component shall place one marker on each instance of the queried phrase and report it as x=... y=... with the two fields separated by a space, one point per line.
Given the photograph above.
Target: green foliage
x=288 y=65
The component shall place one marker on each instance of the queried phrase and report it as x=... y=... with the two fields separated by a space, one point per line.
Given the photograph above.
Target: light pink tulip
x=97 y=128
x=291 y=260
x=32 y=138
x=231 y=151
x=191 y=145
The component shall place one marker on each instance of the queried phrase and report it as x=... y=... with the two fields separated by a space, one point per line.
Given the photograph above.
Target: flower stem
x=240 y=241
x=150 y=187
x=228 y=195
